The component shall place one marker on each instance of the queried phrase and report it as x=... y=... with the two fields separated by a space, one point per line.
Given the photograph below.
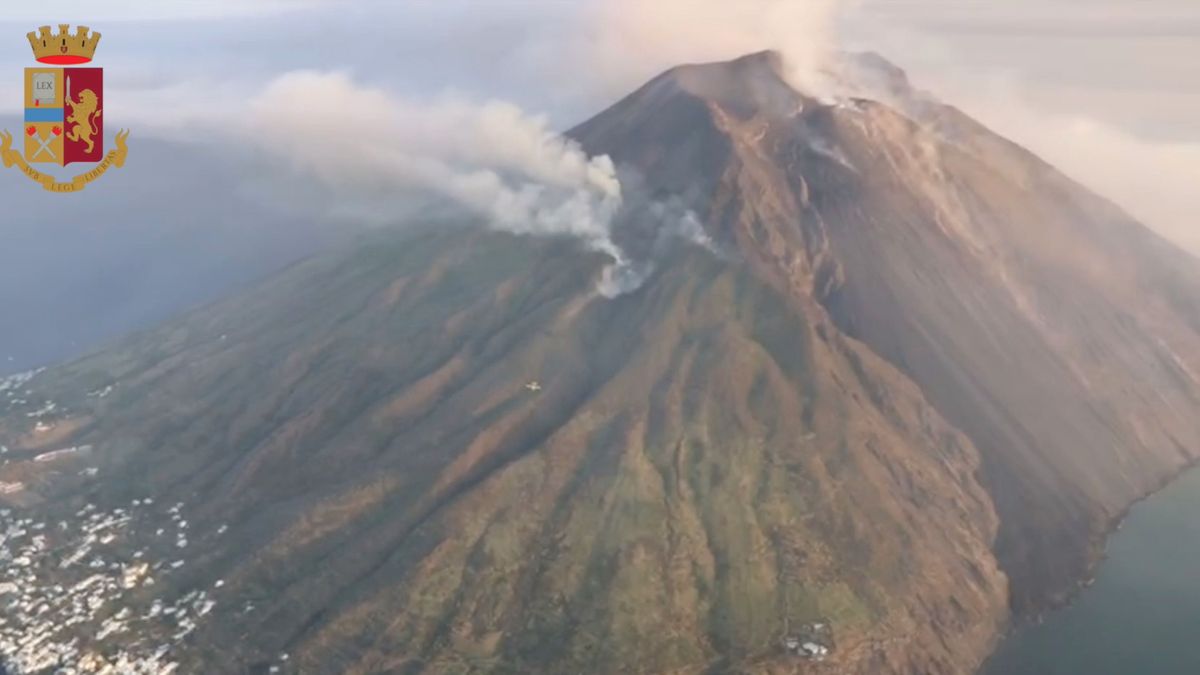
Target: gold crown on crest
x=62 y=48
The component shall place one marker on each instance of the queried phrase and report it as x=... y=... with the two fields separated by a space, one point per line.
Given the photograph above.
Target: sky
x=1107 y=90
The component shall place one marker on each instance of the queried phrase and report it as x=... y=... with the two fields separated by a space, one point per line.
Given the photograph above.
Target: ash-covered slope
x=1055 y=331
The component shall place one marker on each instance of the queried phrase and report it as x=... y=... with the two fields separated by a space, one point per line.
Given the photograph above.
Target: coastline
x=1096 y=555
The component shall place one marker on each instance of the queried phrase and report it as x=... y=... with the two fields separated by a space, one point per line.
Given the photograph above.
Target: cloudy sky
x=1108 y=90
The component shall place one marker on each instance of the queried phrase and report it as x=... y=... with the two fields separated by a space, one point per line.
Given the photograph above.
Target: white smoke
x=506 y=166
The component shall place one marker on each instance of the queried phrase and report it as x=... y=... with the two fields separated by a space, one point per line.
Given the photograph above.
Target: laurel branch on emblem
x=7 y=154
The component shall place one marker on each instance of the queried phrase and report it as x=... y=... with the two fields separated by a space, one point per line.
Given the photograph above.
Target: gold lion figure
x=82 y=121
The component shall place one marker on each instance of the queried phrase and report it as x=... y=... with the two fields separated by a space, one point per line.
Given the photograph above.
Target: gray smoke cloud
x=492 y=158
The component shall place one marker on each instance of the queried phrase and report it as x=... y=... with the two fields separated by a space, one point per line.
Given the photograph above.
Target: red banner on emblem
x=84 y=126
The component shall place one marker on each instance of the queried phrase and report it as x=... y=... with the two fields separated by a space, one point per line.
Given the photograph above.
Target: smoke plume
x=490 y=158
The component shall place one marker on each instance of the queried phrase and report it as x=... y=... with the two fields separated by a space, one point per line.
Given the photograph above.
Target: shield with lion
x=64 y=110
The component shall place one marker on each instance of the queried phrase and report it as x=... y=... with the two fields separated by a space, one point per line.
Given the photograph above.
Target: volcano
x=897 y=404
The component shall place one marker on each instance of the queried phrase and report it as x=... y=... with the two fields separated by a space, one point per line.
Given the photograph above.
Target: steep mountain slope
x=705 y=469
x=918 y=379
x=1058 y=333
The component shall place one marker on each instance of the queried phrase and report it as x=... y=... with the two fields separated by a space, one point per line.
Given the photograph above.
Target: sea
x=1142 y=614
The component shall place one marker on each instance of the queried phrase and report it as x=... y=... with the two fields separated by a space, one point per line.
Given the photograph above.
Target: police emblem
x=64 y=110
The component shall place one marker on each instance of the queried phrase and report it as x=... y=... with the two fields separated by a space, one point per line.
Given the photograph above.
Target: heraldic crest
x=64 y=112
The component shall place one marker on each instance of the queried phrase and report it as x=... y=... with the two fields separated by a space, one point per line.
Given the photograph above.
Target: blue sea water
x=1142 y=614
